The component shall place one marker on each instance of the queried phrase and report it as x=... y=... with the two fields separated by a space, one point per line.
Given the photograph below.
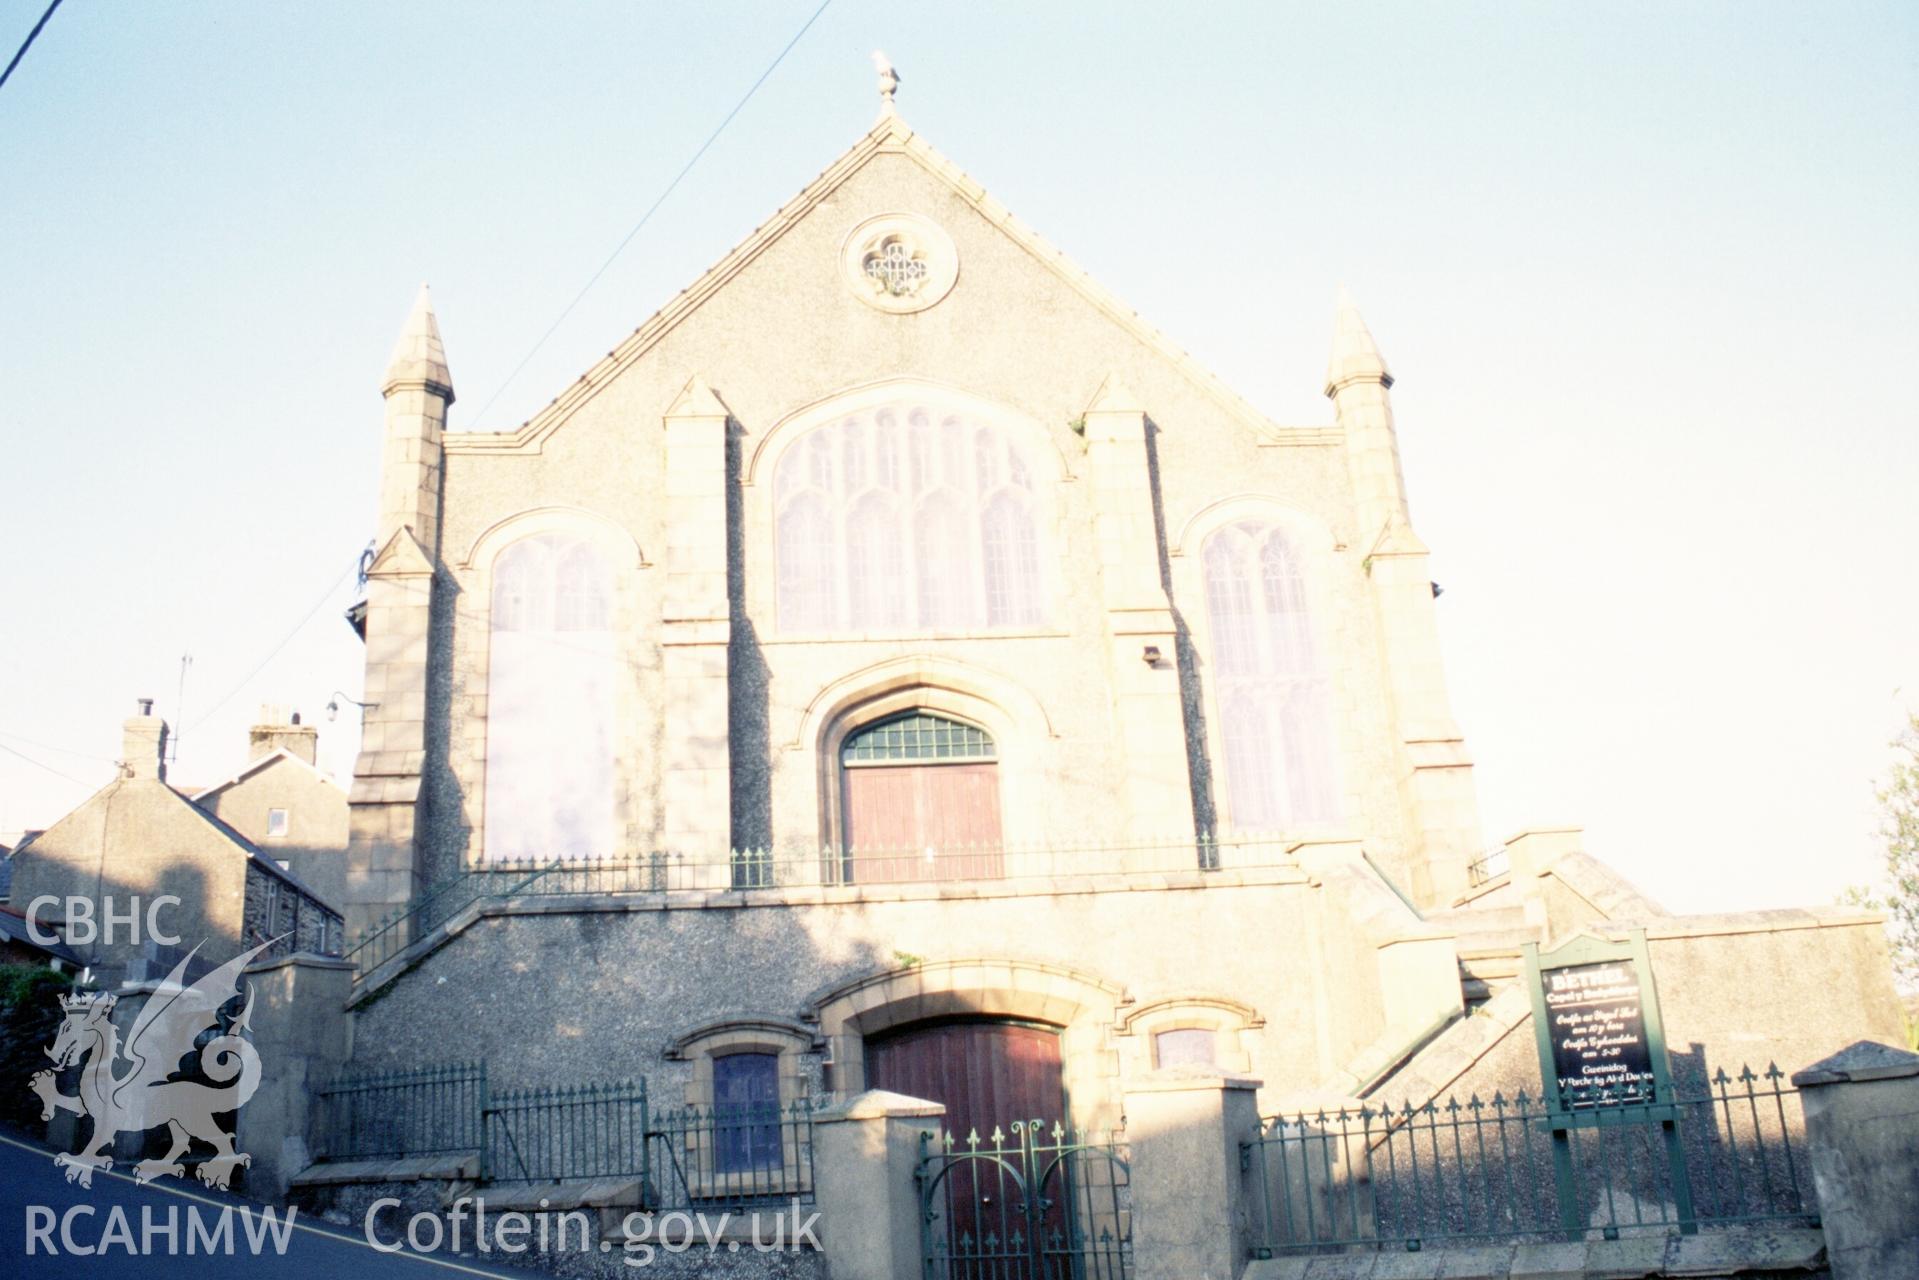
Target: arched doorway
x=1013 y=1189
x=919 y=795
x=989 y=1072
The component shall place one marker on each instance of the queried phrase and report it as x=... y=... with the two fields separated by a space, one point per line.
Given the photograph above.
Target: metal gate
x=1040 y=1203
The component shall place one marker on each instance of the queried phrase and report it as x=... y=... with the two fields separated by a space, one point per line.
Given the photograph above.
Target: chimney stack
x=143 y=744
x=276 y=729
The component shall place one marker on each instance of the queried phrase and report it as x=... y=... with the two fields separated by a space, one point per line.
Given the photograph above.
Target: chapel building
x=897 y=665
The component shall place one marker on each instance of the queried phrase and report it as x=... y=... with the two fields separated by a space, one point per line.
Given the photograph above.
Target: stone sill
x=553 y=1197
x=448 y=1168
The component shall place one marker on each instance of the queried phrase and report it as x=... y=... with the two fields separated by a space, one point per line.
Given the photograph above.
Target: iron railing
x=1490 y=865
x=427 y=1111
x=727 y=1157
x=403 y=926
x=1480 y=1171
x=745 y=870
x=1040 y=1201
x=686 y=1158
x=588 y=1131
x=836 y=868
x=927 y=865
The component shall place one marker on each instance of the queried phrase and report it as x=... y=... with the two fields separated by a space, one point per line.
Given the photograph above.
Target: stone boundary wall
x=1753 y=1255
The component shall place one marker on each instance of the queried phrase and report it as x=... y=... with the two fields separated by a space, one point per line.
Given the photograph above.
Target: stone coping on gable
x=1781 y=920
x=890 y=135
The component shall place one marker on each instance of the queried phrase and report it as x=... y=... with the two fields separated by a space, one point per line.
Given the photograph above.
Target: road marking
x=345 y=1237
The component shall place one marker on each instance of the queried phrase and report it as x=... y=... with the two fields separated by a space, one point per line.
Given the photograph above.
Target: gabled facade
x=896 y=660
x=138 y=839
x=281 y=802
x=661 y=474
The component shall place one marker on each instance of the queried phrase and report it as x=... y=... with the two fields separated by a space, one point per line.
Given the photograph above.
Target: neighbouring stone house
x=138 y=839
x=896 y=665
x=280 y=800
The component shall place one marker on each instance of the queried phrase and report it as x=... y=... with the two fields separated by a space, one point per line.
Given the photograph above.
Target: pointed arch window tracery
x=906 y=517
x=550 y=685
x=1276 y=724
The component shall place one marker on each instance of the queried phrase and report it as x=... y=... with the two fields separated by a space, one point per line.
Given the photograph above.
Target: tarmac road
x=35 y=1199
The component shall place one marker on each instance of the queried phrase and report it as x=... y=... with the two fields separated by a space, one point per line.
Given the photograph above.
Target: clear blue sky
x=1647 y=275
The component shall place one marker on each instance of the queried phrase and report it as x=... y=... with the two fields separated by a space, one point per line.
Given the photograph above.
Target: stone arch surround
x=1006 y=709
x=1083 y=1007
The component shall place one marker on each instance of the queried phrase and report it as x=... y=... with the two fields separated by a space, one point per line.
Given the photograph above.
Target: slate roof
x=13 y=928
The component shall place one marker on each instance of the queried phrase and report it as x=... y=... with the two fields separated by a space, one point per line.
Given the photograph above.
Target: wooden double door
x=922 y=822
x=1012 y=1195
x=987 y=1073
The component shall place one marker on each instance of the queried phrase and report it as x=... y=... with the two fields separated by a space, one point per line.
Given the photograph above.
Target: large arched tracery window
x=906 y=518
x=549 y=754
x=1271 y=692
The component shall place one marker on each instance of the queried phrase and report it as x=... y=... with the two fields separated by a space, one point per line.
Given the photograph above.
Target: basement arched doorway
x=989 y=1072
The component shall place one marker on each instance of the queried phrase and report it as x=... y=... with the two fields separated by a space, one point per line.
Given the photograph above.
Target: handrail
x=368 y=956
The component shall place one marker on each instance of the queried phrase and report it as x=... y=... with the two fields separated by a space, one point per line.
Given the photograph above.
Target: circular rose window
x=899 y=262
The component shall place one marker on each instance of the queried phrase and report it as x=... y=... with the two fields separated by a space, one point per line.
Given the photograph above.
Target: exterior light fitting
x=333 y=704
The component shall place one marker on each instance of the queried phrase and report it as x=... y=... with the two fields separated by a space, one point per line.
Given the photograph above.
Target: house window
x=746 y=1112
x=276 y=823
x=1184 y=1045
x=270 y=913
x=906 y=518
x=550 y=682
x=920 y=801
x=1271 y=692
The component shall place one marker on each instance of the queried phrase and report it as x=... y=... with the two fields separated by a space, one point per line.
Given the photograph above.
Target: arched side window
x=906 y=518
x=550 y=689
x=1271 y=692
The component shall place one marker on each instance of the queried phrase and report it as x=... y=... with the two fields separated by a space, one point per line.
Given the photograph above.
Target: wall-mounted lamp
x=1438 y=590
x=1150 y=655
x=333 y=704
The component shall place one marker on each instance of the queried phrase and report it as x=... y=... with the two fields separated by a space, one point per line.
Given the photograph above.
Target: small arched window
x=1271 y=693
x=906 y=518
x=549 y=754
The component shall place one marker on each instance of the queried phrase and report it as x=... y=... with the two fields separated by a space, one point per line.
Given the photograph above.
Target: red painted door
x=987 y=1073
x=922 y=822
x=991 y=1076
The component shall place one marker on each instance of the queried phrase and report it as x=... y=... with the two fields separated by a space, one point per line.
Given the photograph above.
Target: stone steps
x=1490 y=941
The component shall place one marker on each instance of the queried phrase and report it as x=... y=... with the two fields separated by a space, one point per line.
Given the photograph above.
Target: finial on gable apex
x=889 y=81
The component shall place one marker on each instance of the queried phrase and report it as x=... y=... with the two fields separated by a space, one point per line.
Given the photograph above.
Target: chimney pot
x=143 y=744
x=278 y=728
